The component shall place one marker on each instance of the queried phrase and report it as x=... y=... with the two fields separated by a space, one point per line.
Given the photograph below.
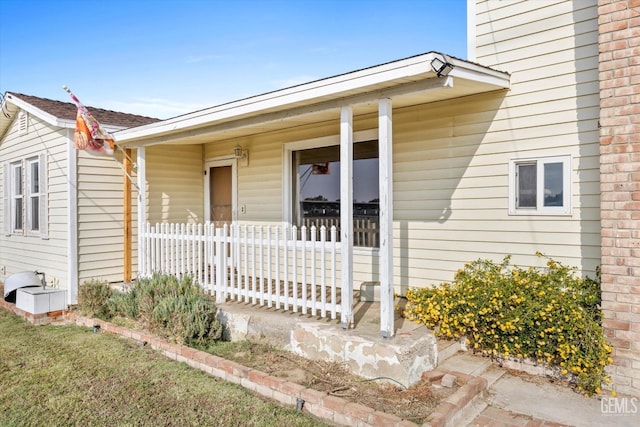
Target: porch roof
x=408 y=81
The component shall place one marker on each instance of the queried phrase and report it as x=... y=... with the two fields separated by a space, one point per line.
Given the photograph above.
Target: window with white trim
x=315 y=189
x=540 y=186
x=25 y=197
x=16 y=197
x=32 y=194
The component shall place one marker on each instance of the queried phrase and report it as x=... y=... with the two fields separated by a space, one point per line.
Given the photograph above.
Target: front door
x=220 y=195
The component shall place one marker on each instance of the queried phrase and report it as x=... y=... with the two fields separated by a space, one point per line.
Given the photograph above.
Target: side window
x=540 y=186
x=25 y=197
x=16 y=197
x=32 y=180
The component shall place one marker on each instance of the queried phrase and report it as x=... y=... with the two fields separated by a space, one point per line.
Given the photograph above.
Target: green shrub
x=178 y=309
x=547 y=314
x=93 y=298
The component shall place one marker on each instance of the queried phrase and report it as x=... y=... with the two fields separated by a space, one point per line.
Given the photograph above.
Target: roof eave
x=43 y=115
x=361 y=81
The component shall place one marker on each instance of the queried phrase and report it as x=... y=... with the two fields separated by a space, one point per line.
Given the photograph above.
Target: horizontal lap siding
x=22 y=252
x=260 y=183
x=100 y=218
x=451 y=158
x=175 y=183
x=451 y=183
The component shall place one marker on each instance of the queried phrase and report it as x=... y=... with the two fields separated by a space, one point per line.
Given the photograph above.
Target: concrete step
x=467 y=364
x=447 y=349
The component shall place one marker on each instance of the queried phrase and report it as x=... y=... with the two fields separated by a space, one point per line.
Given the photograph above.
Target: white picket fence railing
x=277 y=266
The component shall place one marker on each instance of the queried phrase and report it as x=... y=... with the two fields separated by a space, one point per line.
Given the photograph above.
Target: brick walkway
x=495 y=417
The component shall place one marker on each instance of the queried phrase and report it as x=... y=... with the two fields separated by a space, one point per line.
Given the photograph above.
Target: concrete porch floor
x=402 y=358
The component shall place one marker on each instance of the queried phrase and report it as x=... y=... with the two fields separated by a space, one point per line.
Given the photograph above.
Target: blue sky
x=163 y=58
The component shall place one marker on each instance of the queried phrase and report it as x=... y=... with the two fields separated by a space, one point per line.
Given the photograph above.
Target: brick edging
x=317 y=403
x=450 y=411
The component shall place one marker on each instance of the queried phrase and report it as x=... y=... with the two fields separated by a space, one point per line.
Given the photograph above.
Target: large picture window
x=316 y=189
x=540 y=186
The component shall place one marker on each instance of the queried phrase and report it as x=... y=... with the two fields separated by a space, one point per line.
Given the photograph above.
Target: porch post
x=385 y=151
x=142 y=211
x=346 y=215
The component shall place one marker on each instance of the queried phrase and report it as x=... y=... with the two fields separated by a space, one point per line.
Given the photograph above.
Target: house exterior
x=62 y=210
x=423 y=164
x=530 y=145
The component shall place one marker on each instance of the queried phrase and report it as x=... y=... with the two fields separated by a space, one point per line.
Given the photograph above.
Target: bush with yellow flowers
x=548 y=315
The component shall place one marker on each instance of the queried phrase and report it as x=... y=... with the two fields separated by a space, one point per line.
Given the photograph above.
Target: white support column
x=385 y=165
x=142 y=210
x=346 y=215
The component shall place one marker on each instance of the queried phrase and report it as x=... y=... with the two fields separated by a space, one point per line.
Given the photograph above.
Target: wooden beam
x=141 y=177
x=126 y=161
x=385 y=155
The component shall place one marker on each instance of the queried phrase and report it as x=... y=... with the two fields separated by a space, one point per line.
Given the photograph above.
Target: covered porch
x=272 y=257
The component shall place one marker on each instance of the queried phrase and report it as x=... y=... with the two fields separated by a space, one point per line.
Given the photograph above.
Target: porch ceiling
x=409 y=81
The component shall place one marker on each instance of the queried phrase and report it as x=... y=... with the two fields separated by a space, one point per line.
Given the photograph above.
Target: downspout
x=72 y=221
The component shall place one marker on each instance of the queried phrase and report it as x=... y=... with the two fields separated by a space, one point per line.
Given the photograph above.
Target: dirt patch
x=414 y=403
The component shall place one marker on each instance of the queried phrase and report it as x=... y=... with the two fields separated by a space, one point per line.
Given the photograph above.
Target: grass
x=59 y=375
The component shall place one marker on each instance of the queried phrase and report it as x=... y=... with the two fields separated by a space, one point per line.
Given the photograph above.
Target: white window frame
x=540 y=209
x=13 y=197
x=30 y=195
x=287 y=188
x=27 y=197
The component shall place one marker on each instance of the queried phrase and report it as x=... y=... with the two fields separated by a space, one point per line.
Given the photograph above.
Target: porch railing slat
x=286 y=267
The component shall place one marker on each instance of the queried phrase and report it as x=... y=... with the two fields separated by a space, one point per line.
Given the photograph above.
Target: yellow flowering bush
x=549 y=315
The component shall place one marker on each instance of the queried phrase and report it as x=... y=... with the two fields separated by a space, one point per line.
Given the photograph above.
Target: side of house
x=34 y=190
x=78 y=233
x=547 y=125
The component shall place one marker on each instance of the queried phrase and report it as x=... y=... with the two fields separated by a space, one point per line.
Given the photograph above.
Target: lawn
x=59 y=375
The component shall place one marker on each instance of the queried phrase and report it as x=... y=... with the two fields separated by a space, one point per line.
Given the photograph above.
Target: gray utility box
x=36 y=300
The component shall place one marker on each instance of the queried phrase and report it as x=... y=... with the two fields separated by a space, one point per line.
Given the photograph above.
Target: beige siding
x=100 y=218
x=24 y=252
x=550 y=49
x=175 y=184
x=451 y=159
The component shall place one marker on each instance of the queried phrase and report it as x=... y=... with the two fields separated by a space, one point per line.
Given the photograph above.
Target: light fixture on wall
x=242 y=155
x=441 y=65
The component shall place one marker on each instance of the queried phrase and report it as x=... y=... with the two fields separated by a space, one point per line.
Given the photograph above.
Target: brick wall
x=619 y=41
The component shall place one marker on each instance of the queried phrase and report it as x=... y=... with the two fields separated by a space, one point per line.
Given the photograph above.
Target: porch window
x=540 y=186
x=316 y=190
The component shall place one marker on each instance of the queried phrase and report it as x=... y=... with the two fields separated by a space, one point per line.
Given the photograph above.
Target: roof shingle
x=68 y=111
